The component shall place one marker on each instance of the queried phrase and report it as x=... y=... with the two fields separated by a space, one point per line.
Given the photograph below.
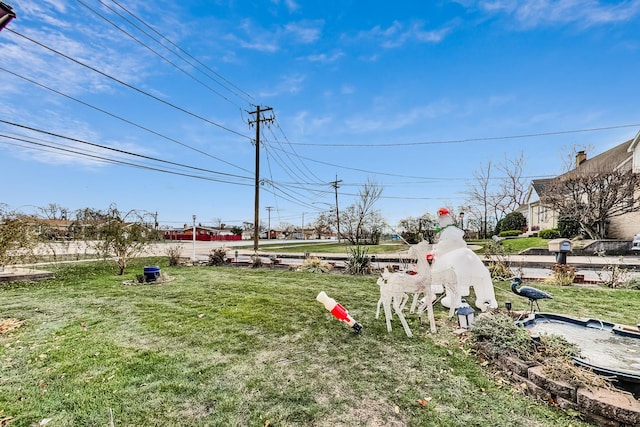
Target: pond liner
x=625 y=379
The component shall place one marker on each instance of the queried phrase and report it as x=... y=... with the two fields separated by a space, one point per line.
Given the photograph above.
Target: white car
x=635 y=245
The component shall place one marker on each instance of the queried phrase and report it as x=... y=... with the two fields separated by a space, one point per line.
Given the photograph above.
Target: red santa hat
x=443 y=212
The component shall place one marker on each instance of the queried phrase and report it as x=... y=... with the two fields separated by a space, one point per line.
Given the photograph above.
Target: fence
x=203 y=237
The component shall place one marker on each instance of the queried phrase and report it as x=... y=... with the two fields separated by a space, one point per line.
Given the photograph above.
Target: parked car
x=635 y=245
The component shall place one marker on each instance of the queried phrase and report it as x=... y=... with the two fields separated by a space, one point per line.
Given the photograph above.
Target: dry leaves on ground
x=7 y=325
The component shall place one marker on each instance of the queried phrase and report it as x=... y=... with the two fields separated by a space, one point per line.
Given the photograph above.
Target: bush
x=173 y=252
x=256 y=261
x=633 y=284
x=358 y=261
x=502 y=337
x=511 y=221
x=314 y=265
x=217 y=256
x=568 y=228
x=509 y=233
x=550 y=233
x=563 y=275
x=499 y=266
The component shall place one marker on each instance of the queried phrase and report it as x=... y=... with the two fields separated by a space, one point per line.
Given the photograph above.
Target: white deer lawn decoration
x=419 y=252
x=394 y=290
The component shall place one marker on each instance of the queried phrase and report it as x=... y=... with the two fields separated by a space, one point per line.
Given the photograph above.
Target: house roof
x=614 y=158
x=539 y=185
x=635 y=142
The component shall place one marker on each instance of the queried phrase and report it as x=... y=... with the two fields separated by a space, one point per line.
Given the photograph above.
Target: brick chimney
x=581 y=156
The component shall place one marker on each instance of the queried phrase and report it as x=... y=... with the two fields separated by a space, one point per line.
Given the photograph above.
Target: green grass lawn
x=222 y=346
x=332 y=247
x=510 y=246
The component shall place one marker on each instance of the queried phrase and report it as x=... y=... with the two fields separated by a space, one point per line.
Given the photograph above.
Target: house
x=538 y=216
x=202 y=233
x=623 y=157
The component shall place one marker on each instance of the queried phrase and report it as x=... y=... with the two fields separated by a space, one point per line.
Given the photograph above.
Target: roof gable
x=612 y=159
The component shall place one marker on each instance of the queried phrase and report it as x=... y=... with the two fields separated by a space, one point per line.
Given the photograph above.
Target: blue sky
x=415 y=96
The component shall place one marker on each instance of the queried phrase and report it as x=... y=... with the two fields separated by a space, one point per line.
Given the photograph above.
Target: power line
x=185 y=52
x=104 y=147
x=102 y=73
x=295 y=153
x=176 y=66
x=73 y=153
x=457 y=141
x=357 y=169
x=121 y=118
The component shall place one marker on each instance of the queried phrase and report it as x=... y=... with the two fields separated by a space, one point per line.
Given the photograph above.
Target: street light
x=194 y=237
x=6 y=14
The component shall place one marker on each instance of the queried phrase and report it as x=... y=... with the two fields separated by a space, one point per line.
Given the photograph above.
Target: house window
x=542 y=214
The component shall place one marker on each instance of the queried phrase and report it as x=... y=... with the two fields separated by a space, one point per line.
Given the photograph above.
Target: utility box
x=561 y=247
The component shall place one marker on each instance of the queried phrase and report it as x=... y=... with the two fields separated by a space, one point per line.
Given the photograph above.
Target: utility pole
x=193 y=258
x=268 y=208
x=335 y=185
x=256 y=217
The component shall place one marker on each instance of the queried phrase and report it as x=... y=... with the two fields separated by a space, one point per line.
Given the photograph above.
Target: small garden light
x=465 y=315
x=507 y=305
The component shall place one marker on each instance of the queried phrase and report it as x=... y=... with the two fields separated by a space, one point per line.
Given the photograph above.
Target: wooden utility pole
x=256 y=217
x=335 y=185
x=268 y=208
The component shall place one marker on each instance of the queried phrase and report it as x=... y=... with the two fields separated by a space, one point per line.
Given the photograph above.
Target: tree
x=287 y=229
x=511 y=221
x=361 y=223
x=18 y=237
x=591 y=197
x=415 y=230
x=54 y=211
x=479 y=197
x=324 y=222
x=512 y=188
x=491 y=198
x=123 y=235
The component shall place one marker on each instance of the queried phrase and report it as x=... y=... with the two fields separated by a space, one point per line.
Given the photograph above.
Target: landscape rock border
x=605 y=407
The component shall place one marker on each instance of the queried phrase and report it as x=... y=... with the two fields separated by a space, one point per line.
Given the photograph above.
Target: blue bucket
x=151 y=273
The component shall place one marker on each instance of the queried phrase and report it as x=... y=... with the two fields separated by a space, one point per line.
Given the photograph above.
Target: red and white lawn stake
x=338 y=311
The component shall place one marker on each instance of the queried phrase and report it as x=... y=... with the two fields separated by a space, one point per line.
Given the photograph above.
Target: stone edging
x=601 y=406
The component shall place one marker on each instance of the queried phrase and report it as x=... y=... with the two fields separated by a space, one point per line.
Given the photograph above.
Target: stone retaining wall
x=600 y=406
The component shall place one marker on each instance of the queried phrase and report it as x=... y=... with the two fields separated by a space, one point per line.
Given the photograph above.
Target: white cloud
x=347 y=90
x=584 y=13
x=400 y=120
x=304 y=32
x=323 y=57
x=289 y=84
x=266 y=40
x=291 y=5
x=398 y=34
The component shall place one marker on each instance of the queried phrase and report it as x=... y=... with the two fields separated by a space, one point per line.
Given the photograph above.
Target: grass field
x=221 y=346
x=510 y=246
